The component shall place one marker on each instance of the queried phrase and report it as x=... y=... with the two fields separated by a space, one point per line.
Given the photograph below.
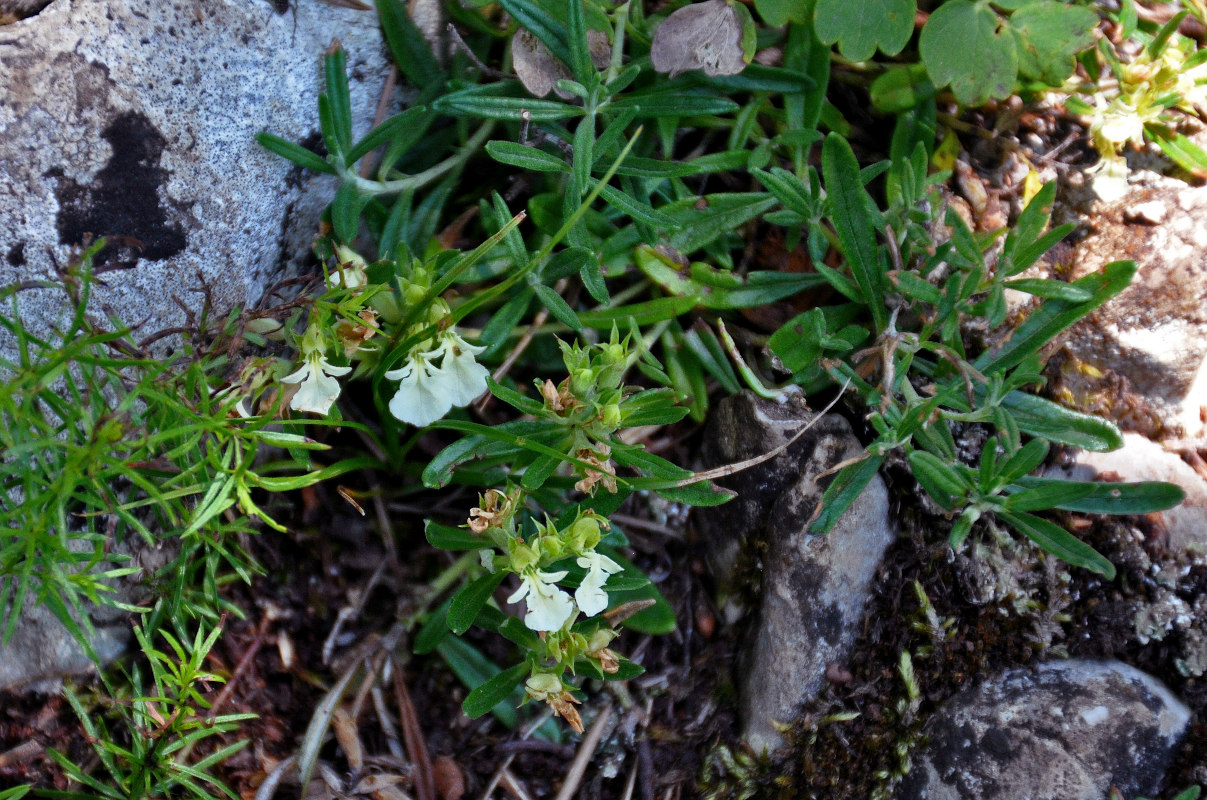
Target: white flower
x=349 y=269
x=590 y=596
x=422 y=397
x=427 y=391
x=466 y=377
x=548 y=605
x=1110 y=178
x=317 y=388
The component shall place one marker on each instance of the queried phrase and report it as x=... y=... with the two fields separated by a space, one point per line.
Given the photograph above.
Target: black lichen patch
x=123 y=200
x=16 y=255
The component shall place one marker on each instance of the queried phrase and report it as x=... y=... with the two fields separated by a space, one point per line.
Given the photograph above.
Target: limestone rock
x=1066 y=731
x=43 y=651
x=1141 y=359
x=135 y=118
x=1143 y=460
x=814 y=588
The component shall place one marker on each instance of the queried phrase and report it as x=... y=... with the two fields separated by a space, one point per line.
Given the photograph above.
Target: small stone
x=1069 y=730
x=814 y=588
x=1141 y=359
x=1150 y=213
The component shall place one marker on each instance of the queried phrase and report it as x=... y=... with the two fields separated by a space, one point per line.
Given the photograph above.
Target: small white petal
x=420 y=399
x=590 y=596
x=316 y=389
x=548 y=605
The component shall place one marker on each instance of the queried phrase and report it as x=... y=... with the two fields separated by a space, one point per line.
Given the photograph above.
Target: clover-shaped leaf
x=862 y=26
x=777 y=13
x=1049 y=37
x=967 y=45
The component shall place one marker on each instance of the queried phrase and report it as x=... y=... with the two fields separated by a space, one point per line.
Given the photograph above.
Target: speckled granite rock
x=1068 y=730
x=135 y=118
x=814 y=588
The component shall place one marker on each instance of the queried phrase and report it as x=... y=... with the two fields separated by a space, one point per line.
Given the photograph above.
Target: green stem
x=622 y=19
x=419 y=180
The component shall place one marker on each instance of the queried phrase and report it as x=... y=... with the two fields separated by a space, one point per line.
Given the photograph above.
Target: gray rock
x=1143 y=460
x=814 y=588
x=1066 y=731
x=1141 y=359
x=135 y=118
x=42 y=651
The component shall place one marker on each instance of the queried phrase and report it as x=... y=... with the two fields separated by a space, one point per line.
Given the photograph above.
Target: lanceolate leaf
x=1059 y=542
x=1054 y=316
x=469 y=601
x=1040 y=417
x=1117 y=498
x=855 y=222
x=847 y=486
x=494 y=691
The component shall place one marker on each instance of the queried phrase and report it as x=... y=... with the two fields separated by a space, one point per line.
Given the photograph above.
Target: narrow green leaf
x=345 y=212
x=474 y=669
x=484 y=102
x=407 y=44
x=336 y=74
x=636 y=209
x=648 y=312
x=1040 y=417
x=1119 y=498
x=434 y=630
x=940 y=480
x=1023 y=462
x=517 y=155
x=576 y=39
x=557 y=306
x=539 y=471
x=854 y=222
x=1059 y=542
x=409 y=125
x=448 y=538
x=1054 y=316
x=1051 y=289
x=494 y=691
x=295 y=153
x=1048 y=494
x=662 y=104
x=550 y=28
x=469 y=601
x=843 y=490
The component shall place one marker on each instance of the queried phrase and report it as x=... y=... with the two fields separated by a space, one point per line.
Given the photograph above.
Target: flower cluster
x=435 y=377
x=541 y=563
x=437 y=373
x=1146 y=88
x=588 y=404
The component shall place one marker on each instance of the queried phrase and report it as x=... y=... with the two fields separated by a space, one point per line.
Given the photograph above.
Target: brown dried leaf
x=349 y=739
x=535 y=66
x=705 y=36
